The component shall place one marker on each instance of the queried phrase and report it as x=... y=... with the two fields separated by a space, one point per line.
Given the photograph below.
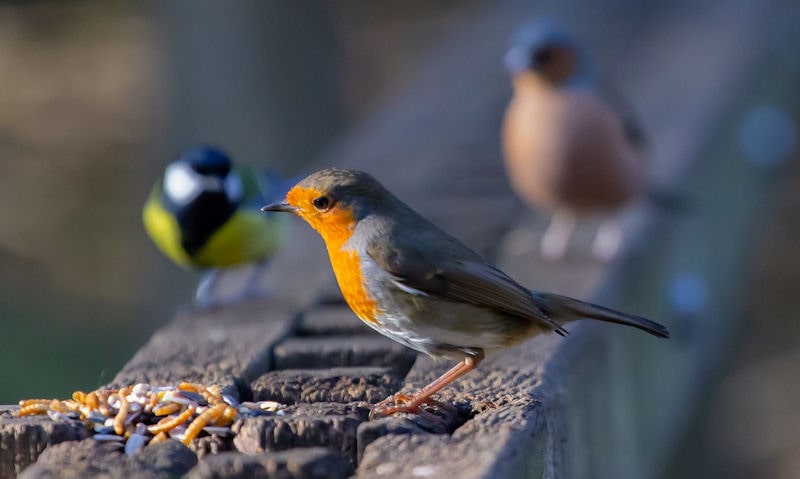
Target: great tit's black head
x=202 y=171
x=207 y=161
x=201 y=190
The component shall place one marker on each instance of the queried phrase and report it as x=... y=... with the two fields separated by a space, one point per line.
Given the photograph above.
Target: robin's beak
x=282 y=207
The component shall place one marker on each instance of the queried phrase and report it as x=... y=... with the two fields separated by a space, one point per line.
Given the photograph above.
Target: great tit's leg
x=253 y=288
x=204 y=297
x=207 y=294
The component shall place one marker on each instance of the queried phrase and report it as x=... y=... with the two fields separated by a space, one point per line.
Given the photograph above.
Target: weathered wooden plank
x=22 y=439
x=321 y=425
x=342 y=385
x=300 y=463
x=342 y=351
x=226 y=346
x=92 y=458
x=331 y=321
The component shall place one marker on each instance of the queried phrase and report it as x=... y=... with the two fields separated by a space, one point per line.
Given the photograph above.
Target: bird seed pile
x=138 y=415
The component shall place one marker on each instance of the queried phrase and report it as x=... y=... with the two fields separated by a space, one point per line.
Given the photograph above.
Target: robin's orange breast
x=336 y=228
x=347 y=268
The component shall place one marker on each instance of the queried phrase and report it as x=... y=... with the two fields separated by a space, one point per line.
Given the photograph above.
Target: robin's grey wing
x=466 y=280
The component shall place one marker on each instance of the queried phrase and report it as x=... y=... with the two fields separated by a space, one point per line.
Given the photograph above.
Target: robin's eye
x=322 y=203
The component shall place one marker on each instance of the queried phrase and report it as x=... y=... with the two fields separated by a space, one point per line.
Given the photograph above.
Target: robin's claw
x=412 y=404
x=388 y=410
x=395 y=399
x=395 y=403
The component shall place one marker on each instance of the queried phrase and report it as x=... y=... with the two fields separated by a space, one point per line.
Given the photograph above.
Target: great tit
x=204 y=214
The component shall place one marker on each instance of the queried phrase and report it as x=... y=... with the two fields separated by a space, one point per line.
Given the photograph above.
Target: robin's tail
x=562 y=309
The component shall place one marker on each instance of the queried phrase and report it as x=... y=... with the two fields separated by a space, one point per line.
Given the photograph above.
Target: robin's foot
x=396 y=398
x=395 y=403
x=400 y=402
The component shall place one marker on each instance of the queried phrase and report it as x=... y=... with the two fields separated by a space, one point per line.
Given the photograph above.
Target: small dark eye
x=543 y=57
x=322 y=203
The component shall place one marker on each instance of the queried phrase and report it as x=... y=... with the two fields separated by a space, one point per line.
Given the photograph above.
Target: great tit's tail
x=563 y=309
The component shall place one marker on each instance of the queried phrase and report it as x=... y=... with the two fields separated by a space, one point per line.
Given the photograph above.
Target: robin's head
x=544 y=49
x=333 y=200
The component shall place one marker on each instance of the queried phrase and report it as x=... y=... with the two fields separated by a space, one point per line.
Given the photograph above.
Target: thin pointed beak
x=516 y=59
x=282 y=207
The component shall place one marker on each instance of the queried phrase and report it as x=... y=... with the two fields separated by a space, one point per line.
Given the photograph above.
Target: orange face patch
x=336 y=225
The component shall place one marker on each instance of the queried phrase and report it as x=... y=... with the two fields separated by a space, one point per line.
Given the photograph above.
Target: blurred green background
x=98 y=96
x=81 y=122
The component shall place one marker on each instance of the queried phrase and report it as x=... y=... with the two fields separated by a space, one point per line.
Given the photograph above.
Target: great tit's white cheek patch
x=181 y=183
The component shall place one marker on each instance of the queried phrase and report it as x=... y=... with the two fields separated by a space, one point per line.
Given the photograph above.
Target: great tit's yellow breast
x=247 y=236
x=165 y=232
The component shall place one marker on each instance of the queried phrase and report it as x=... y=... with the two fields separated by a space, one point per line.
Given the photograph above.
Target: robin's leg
x=402 y=403
x=556 y=238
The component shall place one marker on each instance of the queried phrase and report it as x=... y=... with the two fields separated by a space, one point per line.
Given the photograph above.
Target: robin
x=567 y=147
x=423 y=288
x=204 y=214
